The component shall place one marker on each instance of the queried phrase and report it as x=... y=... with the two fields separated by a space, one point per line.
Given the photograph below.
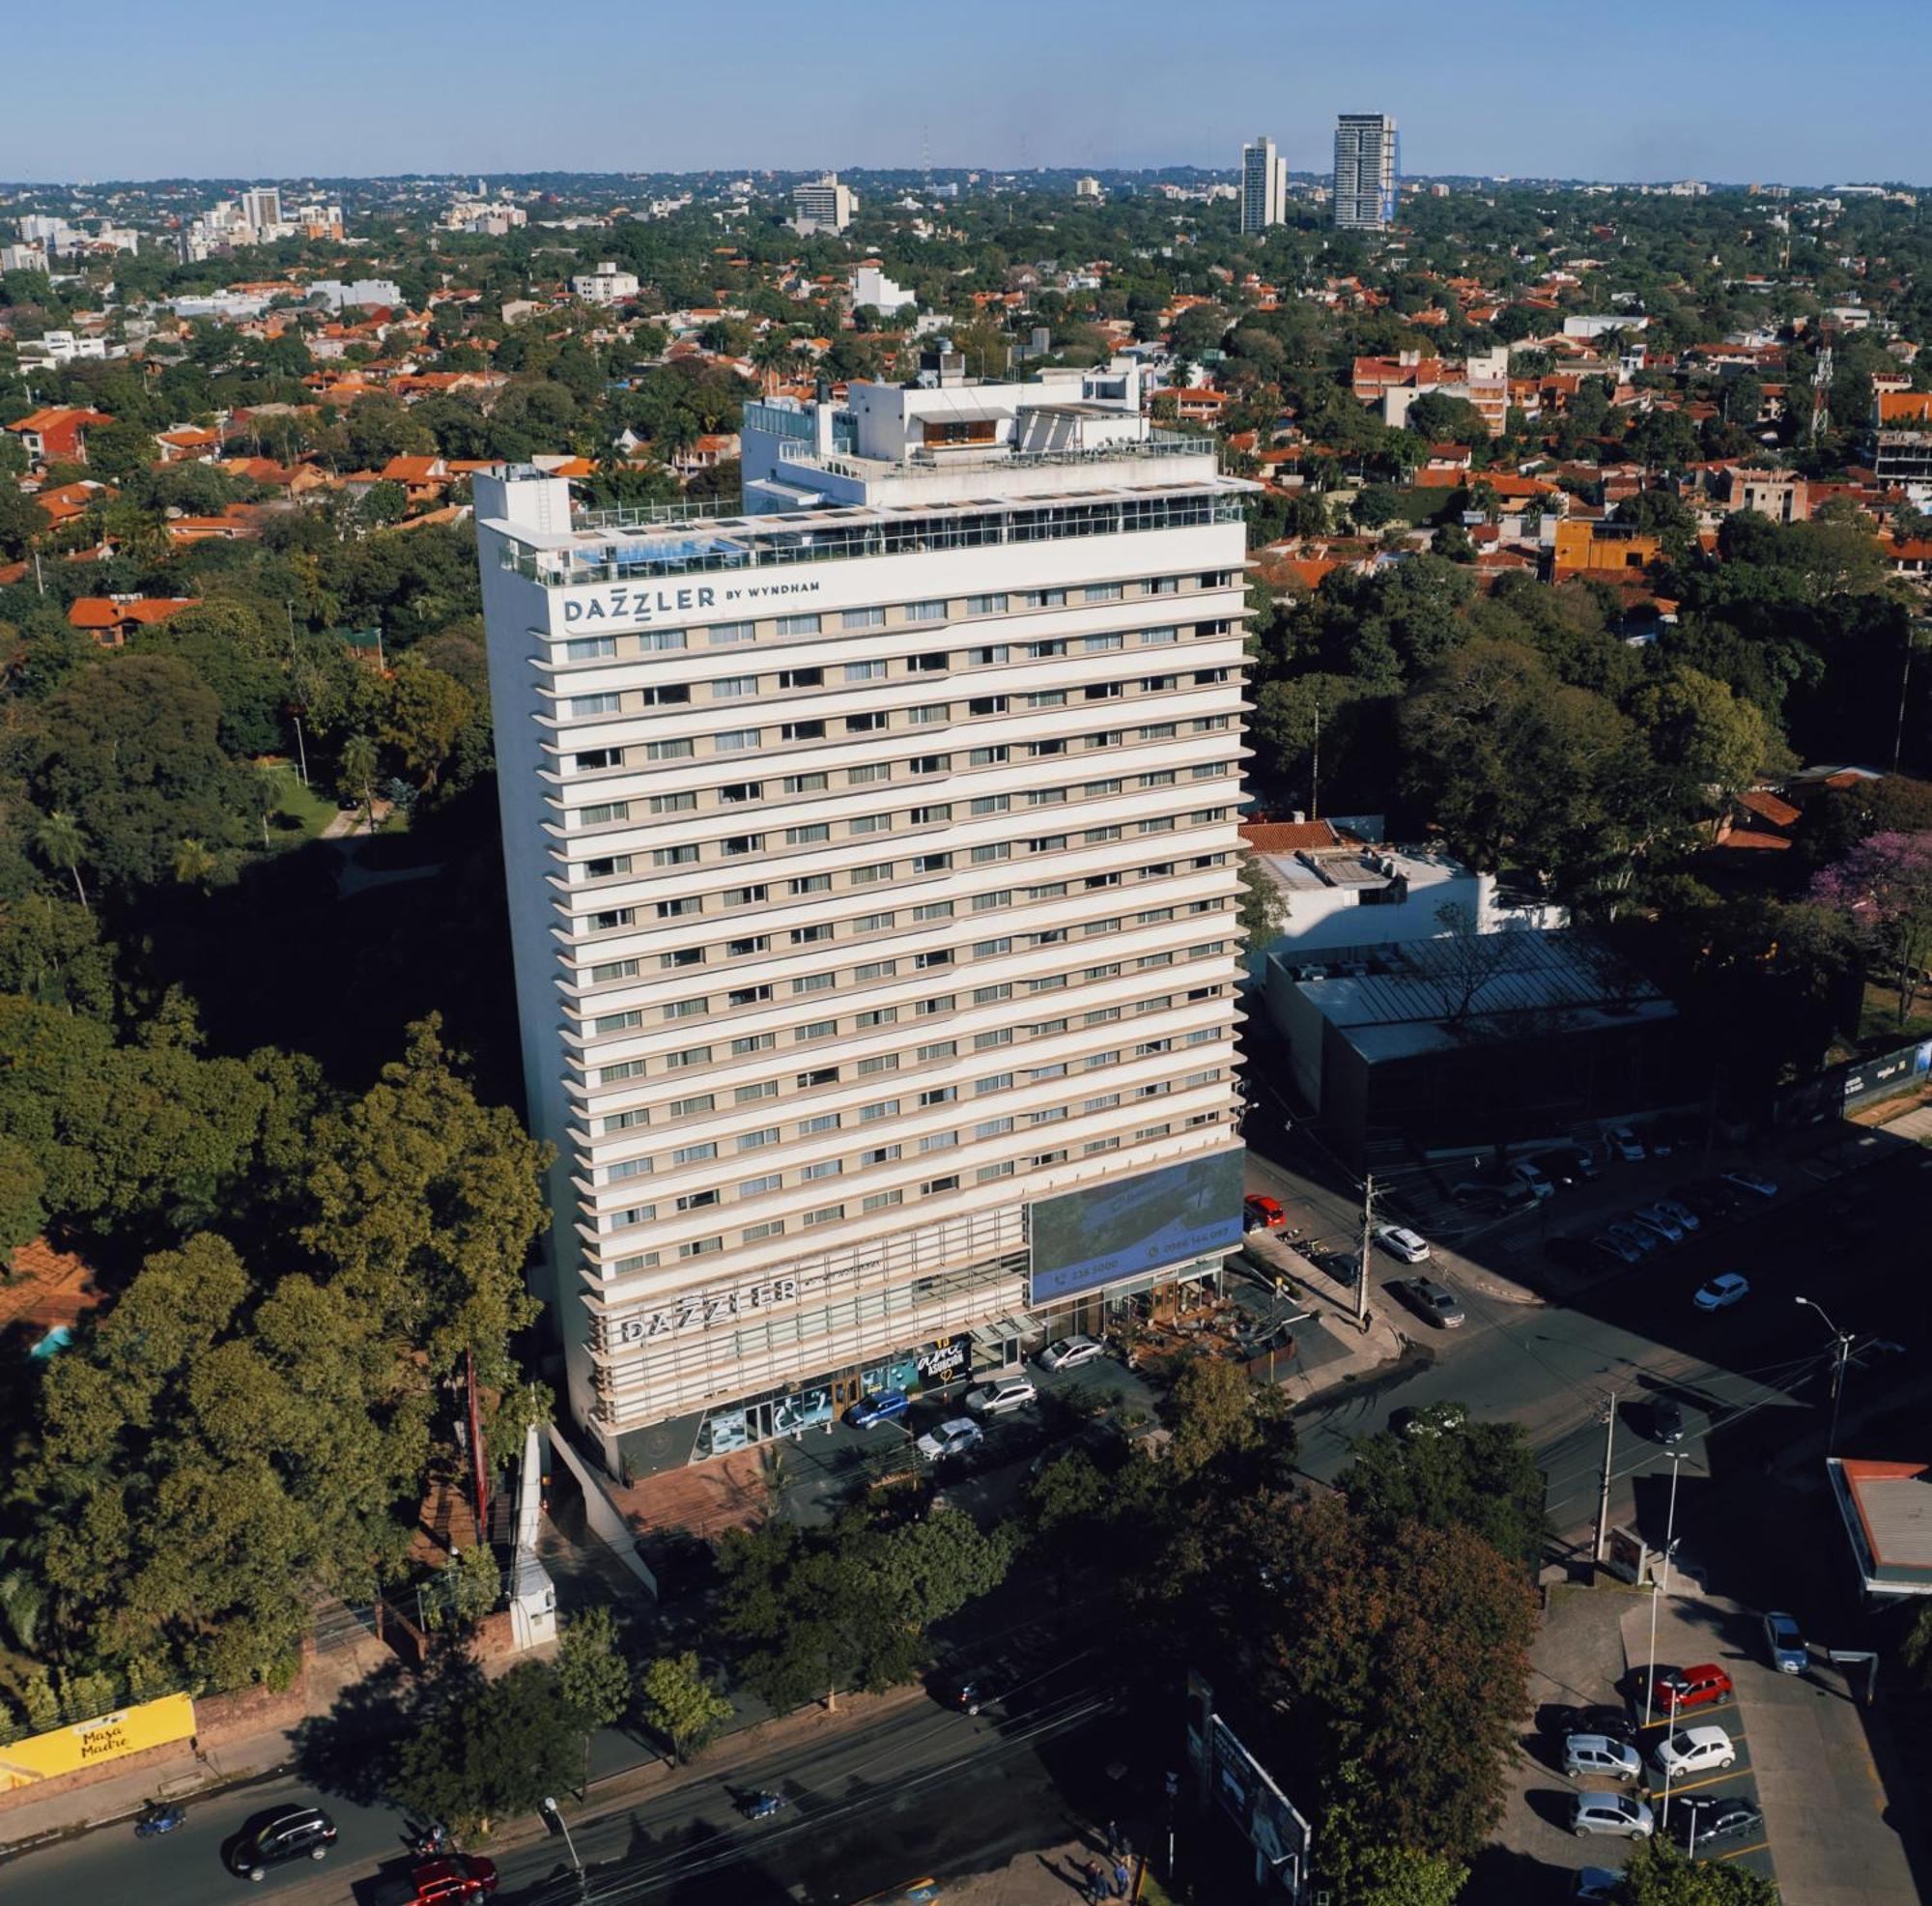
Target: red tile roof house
x=111 y=619
x=59 y=434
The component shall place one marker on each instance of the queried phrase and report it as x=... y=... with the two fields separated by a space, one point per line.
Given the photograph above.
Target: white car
x=952 y=1437
x=1526 y=1172
x=1694 y=1751
x=1071 y=1353
x=1625 y=1143
x=1724 y=1291
x=1748 y=1177
x=1399 y=1242
x=997 y=1398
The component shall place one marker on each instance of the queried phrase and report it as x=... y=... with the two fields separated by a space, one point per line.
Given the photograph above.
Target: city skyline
x=465 y=108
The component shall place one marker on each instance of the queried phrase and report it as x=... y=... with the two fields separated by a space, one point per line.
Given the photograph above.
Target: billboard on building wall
x=1104 y=1232
x=92 y=1742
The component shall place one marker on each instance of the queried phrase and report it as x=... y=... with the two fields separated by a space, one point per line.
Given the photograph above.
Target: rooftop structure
x=1887 y=1509
x=822 y=205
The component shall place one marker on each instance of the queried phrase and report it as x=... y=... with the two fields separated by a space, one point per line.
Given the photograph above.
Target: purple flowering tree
x=1883 y=888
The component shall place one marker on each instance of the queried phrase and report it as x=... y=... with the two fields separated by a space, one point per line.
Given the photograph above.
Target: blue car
x=1785 y=1643
x=881 y=1406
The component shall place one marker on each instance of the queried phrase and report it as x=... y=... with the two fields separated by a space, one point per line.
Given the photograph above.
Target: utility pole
x=1368 y=1237
x=1315 y=768
x=1603 y=1492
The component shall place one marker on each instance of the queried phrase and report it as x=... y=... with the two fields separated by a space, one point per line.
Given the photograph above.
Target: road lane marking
x=1739 y=1852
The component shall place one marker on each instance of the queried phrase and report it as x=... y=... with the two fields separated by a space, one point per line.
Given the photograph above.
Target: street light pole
x=1669 y=1547
x=555 y=1813
x=1368 y=1240
x=1603 y=1492
x=1837 y=1372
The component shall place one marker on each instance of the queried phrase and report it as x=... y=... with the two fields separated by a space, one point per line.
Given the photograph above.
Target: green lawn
x=308 y=807
x=1878 y=1018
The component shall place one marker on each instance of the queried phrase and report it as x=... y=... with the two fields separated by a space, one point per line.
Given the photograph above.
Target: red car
x=1681 y=1688
x=1265 y=1212
x=453 y=1880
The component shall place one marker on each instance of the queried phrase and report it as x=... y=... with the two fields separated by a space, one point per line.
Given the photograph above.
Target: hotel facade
x=871 y=862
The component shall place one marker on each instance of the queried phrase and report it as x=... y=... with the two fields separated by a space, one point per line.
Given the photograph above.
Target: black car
x=1664 y=1420
x=1714 y=1817
x=1568 y=1164
x=1343 y=1266
x=1613 y=1722
x=1711 y=1197
x=273 y=1839
x=1586 y=1254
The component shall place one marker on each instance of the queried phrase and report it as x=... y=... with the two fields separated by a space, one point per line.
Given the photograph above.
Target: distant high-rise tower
x=822 y=205
x=262 y=207
x=1367 y=165
x=1264 y=186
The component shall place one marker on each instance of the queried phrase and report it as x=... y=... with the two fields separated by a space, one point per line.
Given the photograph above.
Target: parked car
x=1675 y=1207
x=274 y=1839
x=1637 y=1238
x=1664 y=1418
x=1654 y=1217
x=1526 y=1171
x=1713 y=1197
x=1427 y=1298
x=1595 y=1883
x=760 y=1803
x=1005 y=1393
x=1266 y=1213
x=1724 y=1291
x=1625 y=1143
x=1071 y=1353
x=1785 y=1643
x=968 y=1692
x=1613 y=1814
x=458 y=1878
x=1694 y=1751
x=1755 y=1180
x=1343 y=1266
x=881 y=1406
x=1698 y=1818
x=1399 y=1242
x=1431 y=1419
x=1568 y=1164
x=953 y=1437
x=1591 y=1254
x=1596 y=1757
x=1679 y=1688
x=1610 y=1721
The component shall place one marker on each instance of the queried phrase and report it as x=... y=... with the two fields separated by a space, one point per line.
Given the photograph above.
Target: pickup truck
x=452 y=1880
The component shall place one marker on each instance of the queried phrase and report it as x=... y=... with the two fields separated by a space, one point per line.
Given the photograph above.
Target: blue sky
x=1721 y=89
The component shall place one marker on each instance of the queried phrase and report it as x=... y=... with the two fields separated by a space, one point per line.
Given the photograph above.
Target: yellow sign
x=90 y=1743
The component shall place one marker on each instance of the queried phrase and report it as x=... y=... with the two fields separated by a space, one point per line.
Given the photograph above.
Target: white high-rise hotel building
x=871 y=868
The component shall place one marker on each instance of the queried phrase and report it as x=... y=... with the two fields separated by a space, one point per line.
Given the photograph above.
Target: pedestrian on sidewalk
x=1093 y=1883
x=1112 y=1837
x=1121 y=1879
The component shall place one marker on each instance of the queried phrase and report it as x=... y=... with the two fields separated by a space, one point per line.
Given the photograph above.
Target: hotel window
x=728 y=635
x=816 y=1029
x=870 y=770
x=604 y=923
x=871 y=874
x=609 y=811
x=1162 y=585
x=672 y=695
x=1101 y=644
x=802 y=731
x=986 y=606
x=625 y=1068
x=929 y=815
x=693 y=1107
x=750 y=1095
x=608 y=867
x=590 y=649
x=681 y=957
x=733 y=688
x=988 y=1173
x=753 y=1187
x=870 y=824
x=735 y=741
x=741 y=996
x=883 y=1200
x=1046 y=599
x=812 y=784
x=733 y=793
x=1101 y=592
x=862 y=618
x=678 y=1062
x=756 y=1141
x=619 y=1022
x=697 y=1201
x=825 y=1168
x=662 y=750
x=811 y=883
x=797 y=625
x=591 y=760
x=825 y=1214
x=626 y=1169
x=867 y=724
x=756 y=1234
x=986 y=658
x=930 y=713
x=745 y=896
x=581 y=705
x=687 y=1009
x=801 y=677
x=929 y=664
x=883 y=1108
x=1158 y=637
x=670 y=804
x=694 y=1155
x=807 y=836
x=685 y=856
x=660 y=638
x=926 y=612
x=701 y=1247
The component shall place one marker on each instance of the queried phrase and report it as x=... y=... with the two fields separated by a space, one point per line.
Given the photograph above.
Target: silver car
x=1615 y=1815
x=952 y=1437
x=1071 y=1353
x=1006 y=1393
x=1596 y=1757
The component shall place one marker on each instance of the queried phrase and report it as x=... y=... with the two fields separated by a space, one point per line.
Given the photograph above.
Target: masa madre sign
x=93 y=1742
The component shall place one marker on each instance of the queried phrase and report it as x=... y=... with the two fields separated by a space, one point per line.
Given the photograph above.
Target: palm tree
x=60 y=839
x=771 y=355
x=194 y=865
x=678 y=433
x=358 y=773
